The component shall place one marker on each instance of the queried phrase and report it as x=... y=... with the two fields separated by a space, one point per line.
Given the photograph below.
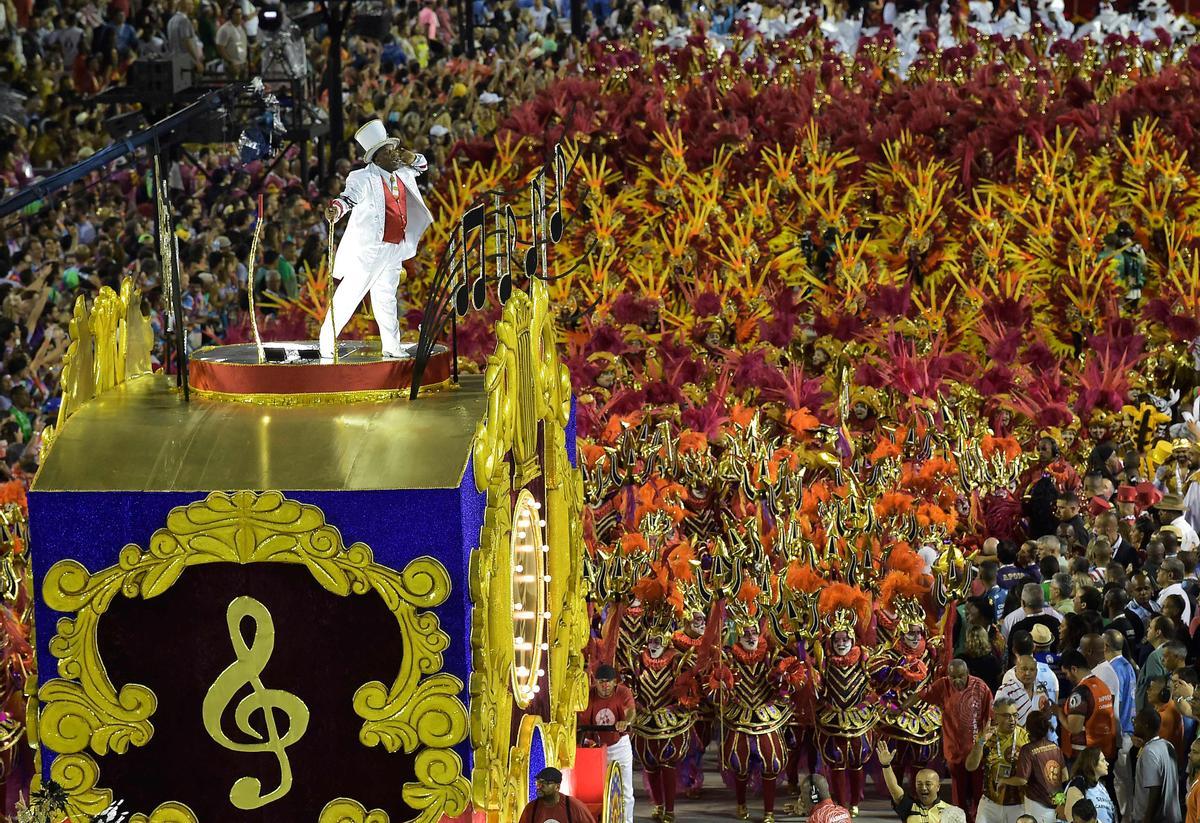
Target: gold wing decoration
x=111 y=342
x=529 y=398
x=419 y=712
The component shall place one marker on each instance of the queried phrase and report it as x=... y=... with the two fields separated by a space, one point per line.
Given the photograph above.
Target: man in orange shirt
x=1090 y=718
x=1193 y=795
x=1171 y=730
x=611 y=704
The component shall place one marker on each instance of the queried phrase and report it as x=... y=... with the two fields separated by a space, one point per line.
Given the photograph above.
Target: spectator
x=1142 y=608
x=996 y=751
x=1090 y=717
x=232 y=44
x=1040 y=772
x=1089 y=772
x=1193 y=775
x=992 y=590
x=1029 y=689
x=1083 y=811
x=1033 y=612
x=966 y=704
x=1107 y=525
x=1093 y=649
x=1156 y=782
x=981 y=658
x=1062 y=593
x=1170 y=581
x=917 y=807
x=817 y=803
x=1158 y=635
x=551 y=805
x=181 y=35
x=1170 y=726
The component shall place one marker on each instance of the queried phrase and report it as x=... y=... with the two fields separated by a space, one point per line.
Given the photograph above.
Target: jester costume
x=662 y=728
x=903 y=668
x=690 y=773
x=754 y=710
x=846 y=715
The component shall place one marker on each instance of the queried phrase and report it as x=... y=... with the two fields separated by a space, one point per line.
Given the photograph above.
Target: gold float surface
x=141 y=436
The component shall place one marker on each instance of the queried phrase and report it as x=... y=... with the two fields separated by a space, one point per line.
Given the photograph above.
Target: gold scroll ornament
x=524 y=434
x=84 y=713
x=251 y=659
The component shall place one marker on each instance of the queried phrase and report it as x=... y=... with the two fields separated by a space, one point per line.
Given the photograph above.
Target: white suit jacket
x=363 y=198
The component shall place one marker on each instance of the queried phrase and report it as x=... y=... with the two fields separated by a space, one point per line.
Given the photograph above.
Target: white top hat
x=373 y=137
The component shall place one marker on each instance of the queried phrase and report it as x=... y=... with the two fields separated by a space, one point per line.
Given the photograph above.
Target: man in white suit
x=387 y=219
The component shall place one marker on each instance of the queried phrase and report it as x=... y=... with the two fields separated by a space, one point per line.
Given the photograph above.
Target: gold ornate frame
x=82 y=710
x=529 y=403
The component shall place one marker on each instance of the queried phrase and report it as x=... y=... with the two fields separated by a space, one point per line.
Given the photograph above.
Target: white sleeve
x=352 y=194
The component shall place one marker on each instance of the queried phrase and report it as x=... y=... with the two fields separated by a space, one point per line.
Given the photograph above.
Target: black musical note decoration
x=525 y=224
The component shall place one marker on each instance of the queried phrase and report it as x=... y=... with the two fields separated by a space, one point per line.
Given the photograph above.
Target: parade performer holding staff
x=662 y=726
x=387 y=219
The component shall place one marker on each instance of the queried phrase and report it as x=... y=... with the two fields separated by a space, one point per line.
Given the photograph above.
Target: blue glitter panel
x=572 y=431
x=398 y=525
x=537 y=759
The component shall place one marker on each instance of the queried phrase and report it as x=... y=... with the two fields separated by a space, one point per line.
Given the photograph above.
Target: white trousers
x=621 y=753
x=1040 y=813
x=1123 y=775
x=992 y=812
x=381 y=283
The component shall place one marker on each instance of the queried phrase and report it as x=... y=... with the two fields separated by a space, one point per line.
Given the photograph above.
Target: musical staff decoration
x=502 y=226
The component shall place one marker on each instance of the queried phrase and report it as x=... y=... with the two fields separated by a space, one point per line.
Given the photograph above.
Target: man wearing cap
x=387 y=219
x=611 y=704
x=551 y=805
x=1170 y=513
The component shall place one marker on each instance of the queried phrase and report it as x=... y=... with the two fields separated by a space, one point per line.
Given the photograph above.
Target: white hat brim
x=395 y=141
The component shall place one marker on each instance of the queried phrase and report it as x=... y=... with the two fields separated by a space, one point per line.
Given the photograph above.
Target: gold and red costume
x=662 y=727
x=691 y=769
x=906 y=666
x=846 y=712
x=754 y=710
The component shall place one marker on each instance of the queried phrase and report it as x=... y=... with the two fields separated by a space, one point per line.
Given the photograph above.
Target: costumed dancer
x=754 y=711
x=687 y=641
x=846 y=713
x=662 y=726
x=902 y=669
x=387 y=218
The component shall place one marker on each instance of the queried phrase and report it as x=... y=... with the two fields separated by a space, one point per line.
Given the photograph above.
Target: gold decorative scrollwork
x=82 y=709
x=529 y=400
x=344 y=810
x=110 y=343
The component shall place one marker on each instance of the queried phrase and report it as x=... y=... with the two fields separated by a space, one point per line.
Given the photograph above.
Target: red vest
x=395 y=213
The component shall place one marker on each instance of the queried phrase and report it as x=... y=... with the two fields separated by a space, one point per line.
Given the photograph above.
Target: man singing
x=387 y=219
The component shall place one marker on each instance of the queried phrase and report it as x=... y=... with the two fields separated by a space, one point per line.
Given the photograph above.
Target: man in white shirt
x=1170 y=513
x=232 y=42
x=1170 y=580
x=1031 y=686
x=1093 y=649
x=1033 y=604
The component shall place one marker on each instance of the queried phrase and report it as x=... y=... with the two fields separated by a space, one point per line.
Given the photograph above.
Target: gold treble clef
x=245 y=670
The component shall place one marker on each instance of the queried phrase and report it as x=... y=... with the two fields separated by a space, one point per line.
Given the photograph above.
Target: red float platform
x=294 y=373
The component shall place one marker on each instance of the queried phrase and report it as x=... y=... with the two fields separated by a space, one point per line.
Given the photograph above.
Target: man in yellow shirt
x=996 y=750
